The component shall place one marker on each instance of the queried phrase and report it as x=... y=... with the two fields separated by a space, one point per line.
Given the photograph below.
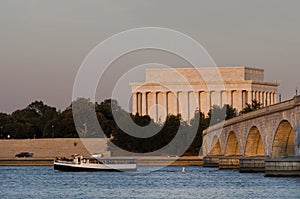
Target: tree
x=64 y=126
x=217 y=114
x=46 y=114
x=5 y=125
x=25 y=124
x=255 y=105
x=230 y=112
x=199 y=123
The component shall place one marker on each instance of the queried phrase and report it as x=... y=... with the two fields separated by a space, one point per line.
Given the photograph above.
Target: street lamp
x=279 y=97
x=52 y=131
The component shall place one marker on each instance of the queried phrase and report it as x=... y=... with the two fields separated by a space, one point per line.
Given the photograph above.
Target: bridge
x=273 y=131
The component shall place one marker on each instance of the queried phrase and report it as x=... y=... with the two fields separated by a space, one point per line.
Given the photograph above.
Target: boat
x=80 y=163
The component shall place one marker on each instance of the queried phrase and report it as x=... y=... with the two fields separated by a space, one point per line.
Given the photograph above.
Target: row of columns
x=159 y=104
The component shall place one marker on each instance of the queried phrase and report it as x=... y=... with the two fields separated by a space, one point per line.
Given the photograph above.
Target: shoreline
x=141 y=161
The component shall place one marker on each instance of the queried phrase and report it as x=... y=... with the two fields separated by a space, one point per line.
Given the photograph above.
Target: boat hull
x=80 y=168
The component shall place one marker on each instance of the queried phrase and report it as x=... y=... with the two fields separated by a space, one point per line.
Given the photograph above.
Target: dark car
x=24 y=155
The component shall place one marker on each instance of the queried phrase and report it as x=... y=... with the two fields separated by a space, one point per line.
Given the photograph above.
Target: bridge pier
x=211 y=160
x=297 y=141
x=281 y=167
x=230 y=162
x=253 y=164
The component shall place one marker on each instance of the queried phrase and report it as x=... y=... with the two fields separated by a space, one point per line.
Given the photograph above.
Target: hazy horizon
x=43 y=43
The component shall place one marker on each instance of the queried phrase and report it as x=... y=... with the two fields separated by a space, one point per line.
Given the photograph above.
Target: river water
x=167 y=182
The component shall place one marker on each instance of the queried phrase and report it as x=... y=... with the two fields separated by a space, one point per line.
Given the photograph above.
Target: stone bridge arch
x=215 y=147
x=254 y=143
x=283 y=143
x=232 y=144
x=276 y=127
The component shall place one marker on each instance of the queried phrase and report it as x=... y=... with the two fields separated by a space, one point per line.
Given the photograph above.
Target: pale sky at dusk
x=43 y=43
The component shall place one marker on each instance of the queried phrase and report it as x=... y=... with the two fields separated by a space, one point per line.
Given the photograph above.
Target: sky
x=43 y=43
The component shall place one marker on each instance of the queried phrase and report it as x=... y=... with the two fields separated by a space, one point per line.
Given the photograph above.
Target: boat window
x=118 y=161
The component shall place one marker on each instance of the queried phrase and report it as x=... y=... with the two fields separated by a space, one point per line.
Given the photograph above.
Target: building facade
x=186 y=90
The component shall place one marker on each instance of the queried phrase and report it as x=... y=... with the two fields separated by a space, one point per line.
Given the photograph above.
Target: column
x=153 y=111
x=253 y=96
x=272 y=98
x=193 y=103
x=176 y=102
x=250 y=97
x=269 y=98
x=172 y=103
x=209 y=103
x=215 y=98
x=260 y=97
x=232 y=98
x=240 y=100
x=229 y=99
x=183 y=105
x=148 y=103
x=167 y=103
x=162 y=106
x=203 y=102
x=209 y=100
x=144 y=104
x=159 y=104
x=244 y=98
x=257 y=96
x=178 y=96
x=237 y=100
x=265 y=99
x=224 y=98
x=139 y=101
x=219 y=97
x=275 y=98
x=134 y=103
x=199 y=100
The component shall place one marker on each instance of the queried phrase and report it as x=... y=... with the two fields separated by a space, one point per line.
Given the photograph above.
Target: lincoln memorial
x=186 y=90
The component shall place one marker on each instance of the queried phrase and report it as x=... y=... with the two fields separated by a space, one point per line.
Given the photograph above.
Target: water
x=168 y=182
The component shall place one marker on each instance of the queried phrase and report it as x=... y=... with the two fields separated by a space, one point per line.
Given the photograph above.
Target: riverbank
x=141 y=161
x=52 y=147
x=45 y=150
x=172 y=161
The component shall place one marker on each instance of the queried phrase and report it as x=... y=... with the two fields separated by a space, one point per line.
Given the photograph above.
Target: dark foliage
x=134 y=133
x=255 y=105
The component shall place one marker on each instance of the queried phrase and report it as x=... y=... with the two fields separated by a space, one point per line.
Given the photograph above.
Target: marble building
x=186 y=90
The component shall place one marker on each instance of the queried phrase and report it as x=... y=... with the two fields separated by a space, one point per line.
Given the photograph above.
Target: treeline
x=39 y=120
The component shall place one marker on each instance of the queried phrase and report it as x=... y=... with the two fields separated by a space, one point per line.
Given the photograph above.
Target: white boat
x=80 y=163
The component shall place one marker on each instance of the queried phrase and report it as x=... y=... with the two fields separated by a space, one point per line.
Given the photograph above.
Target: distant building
x=186 y=90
